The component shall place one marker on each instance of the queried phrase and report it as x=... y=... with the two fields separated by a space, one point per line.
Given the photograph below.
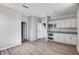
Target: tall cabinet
x=32 y=28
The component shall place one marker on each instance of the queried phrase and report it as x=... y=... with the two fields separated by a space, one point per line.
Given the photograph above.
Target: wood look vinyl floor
x=40 y=47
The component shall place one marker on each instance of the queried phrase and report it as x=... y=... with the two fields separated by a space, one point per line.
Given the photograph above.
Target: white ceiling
x=42 y=9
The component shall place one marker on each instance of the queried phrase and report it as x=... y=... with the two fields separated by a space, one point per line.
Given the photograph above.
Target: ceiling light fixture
x=25 y=6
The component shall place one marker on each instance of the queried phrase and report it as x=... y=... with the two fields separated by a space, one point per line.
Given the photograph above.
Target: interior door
x=24 y=31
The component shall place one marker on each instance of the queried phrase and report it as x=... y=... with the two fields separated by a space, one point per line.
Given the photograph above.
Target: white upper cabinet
x=66 y=23
x=73 y=23
x=62 y=23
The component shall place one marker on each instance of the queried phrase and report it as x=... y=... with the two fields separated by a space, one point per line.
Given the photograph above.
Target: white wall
x=10 y=28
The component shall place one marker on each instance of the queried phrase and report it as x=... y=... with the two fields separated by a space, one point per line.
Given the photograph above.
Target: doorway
x=24 y=31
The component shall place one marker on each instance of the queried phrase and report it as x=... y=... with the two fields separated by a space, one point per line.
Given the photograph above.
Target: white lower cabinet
x=58 y=37
x=65 y=38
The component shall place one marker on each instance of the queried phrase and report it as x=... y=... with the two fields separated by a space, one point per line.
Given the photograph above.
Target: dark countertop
x=67 y=31
x=63 y=32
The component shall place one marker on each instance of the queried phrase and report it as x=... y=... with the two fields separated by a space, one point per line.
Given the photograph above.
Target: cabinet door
x=61 y=24
x=58 y=37
x=67 y=38
x=67 y=23
x=70 y=39
x=58 y=24
x=55 y=37
x=39 y=30
x=61 y=37
x=73 y=23
x=73 y=39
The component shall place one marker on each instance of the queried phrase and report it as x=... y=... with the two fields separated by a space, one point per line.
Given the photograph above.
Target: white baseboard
x=10 y=46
